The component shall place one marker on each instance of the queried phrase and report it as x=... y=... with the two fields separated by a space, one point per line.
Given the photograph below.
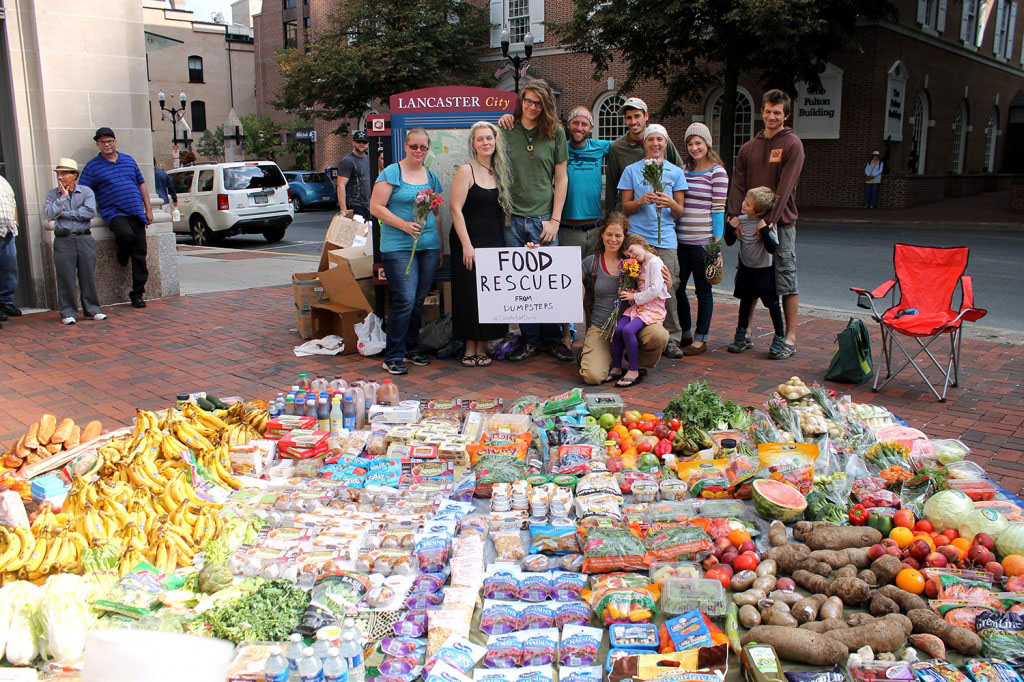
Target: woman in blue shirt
x=392 y=204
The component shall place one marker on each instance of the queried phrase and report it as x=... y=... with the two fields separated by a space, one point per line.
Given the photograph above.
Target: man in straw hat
x=71 y=207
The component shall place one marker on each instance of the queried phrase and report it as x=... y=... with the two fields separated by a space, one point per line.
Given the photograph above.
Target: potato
x=766 y=567
x=765 y=583
x=749 y=616
x=885 y=568
x=778 y=614
x=882 y=634
x=823 y=626
x=831 y=609
x=907 y=601
x=786 y=597
x=777 y=534
x=855 y=619
x=750 y=597
x=847 y=571
x=882 y=605
x=742 y=580
x=842 y=537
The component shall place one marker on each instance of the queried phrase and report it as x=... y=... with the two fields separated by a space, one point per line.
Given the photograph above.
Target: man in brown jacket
x=773 y=159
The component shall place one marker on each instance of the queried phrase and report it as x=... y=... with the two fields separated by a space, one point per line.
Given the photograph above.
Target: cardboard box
x=347 y=307
x=304 y=323
x=345 y=233
x=308 y=290
x=359 y=262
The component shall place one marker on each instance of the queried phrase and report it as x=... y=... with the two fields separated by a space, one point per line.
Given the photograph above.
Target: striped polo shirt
x=116 y=186
x=706 y=194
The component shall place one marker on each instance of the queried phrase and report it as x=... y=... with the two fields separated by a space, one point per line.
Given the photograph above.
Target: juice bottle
x=359 y=402
x=337 y=385
x=349 y=412
x=289 y=404
x=370 y=388
x=311 y=407
x=323 y=413
x=304 y=382
x=337 y=416
x=319 y=384
x=387 y=394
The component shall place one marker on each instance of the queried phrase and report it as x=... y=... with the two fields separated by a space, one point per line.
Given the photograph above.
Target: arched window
x=743 y=129
x=195 y=69
x=919 y=128
x=991 y=133
x=607 y=112
x=198 y=116
x=959 y=139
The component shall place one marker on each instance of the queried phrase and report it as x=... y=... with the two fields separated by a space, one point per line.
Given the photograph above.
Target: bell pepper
x=663 y=447
x=858 y=515
x=882 y=522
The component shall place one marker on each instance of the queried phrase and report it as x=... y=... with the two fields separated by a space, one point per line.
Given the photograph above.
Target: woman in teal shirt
x=392 y=204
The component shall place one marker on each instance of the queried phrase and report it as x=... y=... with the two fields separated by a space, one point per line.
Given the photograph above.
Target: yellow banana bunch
x=196 y=413
x=129 y=560
x=187 y=434
x=258 y=419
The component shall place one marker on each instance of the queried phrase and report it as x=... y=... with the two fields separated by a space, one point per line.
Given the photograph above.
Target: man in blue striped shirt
x=123 y=202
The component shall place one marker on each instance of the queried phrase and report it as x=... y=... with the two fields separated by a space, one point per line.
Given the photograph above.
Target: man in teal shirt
x=581 y=216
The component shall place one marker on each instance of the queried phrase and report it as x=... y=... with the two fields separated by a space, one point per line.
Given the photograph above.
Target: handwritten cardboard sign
x=529 y=285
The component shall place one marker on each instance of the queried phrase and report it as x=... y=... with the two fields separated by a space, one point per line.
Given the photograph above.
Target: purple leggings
x=625 y=335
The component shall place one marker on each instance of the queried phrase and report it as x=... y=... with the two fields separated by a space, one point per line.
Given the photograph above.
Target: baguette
x=52 y=448
x=47 y=425
x=92 y=430
x=74 y=439
x=19 y=449
x=63 y=431
x=30 y=440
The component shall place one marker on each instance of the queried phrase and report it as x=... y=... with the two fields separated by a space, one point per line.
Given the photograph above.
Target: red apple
x=717 y=573
x=988 y=556
x=785 y=584
x=747 y=546
x=889 y=542
x=935 y=560
x=996 y=569
x=984 y=539
x=709 y=563
x=875 y=551
x=911 y=562
x=931 y=589
x=919 y=549
x=950 y=552
x=894 y=551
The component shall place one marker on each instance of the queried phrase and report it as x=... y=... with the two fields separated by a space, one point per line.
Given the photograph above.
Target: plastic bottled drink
x=294 y=650
x=319 y=384
x=300 y=402
x=356 y=393
x=337 y=416
x=348 y=412
x=337 y=385
x=352 y=652
x=311 y=407
x=323 y=413
x=310 y=667
x=370 y=393
x=335 y=667
x=304 y=382
x=387 y=394
x=322 y=644
x=289 y=404
x=276 y=668
x=349 y=625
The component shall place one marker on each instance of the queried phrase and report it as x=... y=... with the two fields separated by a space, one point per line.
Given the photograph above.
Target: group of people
x=110 y=185
x=526 y=183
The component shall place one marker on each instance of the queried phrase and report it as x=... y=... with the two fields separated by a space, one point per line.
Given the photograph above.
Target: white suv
x=218 y=200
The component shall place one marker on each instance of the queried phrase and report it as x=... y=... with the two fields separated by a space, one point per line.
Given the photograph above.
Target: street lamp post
x=516 y=60
x=185 y=139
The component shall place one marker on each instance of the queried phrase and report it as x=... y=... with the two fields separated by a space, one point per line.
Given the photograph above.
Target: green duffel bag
x=851 y=361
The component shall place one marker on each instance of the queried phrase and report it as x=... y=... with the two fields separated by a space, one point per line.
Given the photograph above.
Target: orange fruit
x=910 y=580
x=927 y=538
x=738 y=536
x=1013 y=564
x=902 y=536
x=963 y=545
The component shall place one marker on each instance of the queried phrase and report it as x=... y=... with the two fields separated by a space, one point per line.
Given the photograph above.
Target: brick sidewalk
x=240 y=343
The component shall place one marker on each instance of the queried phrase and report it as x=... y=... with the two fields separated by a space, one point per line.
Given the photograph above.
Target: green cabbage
x=1011 y=540
x=64 y=617
x=945 y=509
x=982 y=521
x=21 y=637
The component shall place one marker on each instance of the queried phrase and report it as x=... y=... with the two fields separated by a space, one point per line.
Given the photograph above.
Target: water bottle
x=276 y=668
x=310 y=667
x=349 y=625
x=348 y=411
x=294 y=650
x=352 y=651
x=337 y=416
x=335 y=667
x=322 y=644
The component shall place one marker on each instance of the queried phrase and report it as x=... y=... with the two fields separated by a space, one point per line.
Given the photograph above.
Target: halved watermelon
x=776 y=500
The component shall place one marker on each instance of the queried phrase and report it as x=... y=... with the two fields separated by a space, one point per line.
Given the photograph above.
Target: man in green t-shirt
x=538 y=154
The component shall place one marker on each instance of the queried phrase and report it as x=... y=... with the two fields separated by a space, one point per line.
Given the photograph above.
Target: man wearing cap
x=8 y=250
x=629 y=149
x=71 y=206
x=873 y=180
x=123 y=203
x=582 y=213
x=354 y=177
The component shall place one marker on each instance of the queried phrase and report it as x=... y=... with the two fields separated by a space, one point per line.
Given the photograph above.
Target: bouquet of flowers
x=426 y=201
x=629 y=280
x=652 y=176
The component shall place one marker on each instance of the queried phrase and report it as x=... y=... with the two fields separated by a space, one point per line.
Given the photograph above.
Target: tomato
x=904 y=518
x=924 y=525
x=747 y=561
x=721 y=575
x=645 y=426
x=644 y=446
x=951 y=534
x=674 y=424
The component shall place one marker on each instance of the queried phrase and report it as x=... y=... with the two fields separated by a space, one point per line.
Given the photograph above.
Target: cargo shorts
x=785 y=261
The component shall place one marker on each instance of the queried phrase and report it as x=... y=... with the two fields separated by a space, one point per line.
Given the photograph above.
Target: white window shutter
x=497 y=21
x=922 y=12
x=940 y=24
x=1009 y=32
x=965 y=22
x=537 y=20
x=997 y=44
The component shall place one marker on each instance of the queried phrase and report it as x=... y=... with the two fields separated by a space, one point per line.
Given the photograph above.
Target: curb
x=940 y=224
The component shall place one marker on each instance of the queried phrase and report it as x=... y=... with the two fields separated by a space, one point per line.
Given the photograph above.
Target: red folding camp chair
x=927 y=278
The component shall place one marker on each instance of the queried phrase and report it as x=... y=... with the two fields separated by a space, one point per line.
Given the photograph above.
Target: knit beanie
x=700 y=130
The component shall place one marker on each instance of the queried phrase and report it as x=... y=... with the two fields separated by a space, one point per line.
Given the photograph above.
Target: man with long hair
x=537 y=151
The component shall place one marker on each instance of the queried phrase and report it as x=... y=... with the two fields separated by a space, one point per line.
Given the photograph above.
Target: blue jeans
x=8 y=269
x=407 y=294
x=520 y=231
x=871 y=190
x=691 y=261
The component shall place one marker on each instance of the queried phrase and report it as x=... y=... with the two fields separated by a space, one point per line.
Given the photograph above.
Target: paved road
x=832 y=258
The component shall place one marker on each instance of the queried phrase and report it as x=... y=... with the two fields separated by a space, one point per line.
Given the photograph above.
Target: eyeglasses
x=418 y=147
x=527 y=102
x=106 y=142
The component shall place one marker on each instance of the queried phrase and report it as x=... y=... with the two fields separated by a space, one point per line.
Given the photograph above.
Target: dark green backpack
x=851 y=362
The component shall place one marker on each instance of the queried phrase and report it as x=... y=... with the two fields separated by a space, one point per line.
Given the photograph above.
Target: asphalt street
x=831 y=259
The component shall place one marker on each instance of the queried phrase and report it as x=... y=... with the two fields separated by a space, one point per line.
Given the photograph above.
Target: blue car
x=310 y=189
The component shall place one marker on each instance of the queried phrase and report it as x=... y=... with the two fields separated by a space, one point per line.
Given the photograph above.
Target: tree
x=262 y=137
x=371 y=49
x=211 y=144
x=690 y=45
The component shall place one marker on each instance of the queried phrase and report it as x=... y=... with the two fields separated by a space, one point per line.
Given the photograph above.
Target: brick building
x=944 y=84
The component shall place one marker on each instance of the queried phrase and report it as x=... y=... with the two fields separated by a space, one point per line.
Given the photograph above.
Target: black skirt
x=753 y=283
x=484 y=223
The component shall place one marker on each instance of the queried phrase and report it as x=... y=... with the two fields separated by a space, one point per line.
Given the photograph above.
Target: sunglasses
x=418 y=147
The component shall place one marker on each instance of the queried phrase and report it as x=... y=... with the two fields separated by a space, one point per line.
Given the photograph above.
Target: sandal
x=628 y=383
x=482 y=360
x=612 y=377
x=469 y=361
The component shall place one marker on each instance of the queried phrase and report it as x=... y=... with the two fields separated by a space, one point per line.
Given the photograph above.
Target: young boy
x=755 y=276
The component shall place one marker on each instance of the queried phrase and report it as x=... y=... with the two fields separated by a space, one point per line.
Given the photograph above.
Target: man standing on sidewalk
x=123 y=202
x=582 y=214
x=8 y=250
x=773 y=158
x=629 y=149
x=354 y=177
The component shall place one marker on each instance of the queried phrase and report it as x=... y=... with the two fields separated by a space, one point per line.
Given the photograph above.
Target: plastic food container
x=514 y=424
x=674 y=490
x=966 y=471
x=645 y=491
x=867 y=671
x=604 y=403
x=634 y=635
x=679 y=595
x=979 y=491
x=660 y=571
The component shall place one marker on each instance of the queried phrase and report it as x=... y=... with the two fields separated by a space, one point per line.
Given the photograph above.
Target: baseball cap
x=104 y=132
x=360 y=136
x=633 y=103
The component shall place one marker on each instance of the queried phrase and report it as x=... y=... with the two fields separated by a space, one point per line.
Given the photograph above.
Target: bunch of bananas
x=50 y=545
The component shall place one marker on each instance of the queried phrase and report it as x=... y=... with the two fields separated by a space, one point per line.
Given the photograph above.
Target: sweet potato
x=63 y=431
x=885 y=568
x=799 y=646
x=837 y=558
x=806 y=609
x=47 y=425
x=777 y=534
x=847 y=571
x=931 y=645
x=867 y=576
x=907 y=601
x=853 y=591
x=859 y=618
x=92 y=430
x=882 y=605
x=882 y=634
x=31 y=439
x=928 y=622
x=823 y=626
x=842 y=537
x=796 y=557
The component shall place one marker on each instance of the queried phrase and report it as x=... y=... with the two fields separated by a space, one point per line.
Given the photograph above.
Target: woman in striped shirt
x=703 y=219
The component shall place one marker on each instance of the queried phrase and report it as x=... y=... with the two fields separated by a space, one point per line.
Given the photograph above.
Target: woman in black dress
x=479 y=202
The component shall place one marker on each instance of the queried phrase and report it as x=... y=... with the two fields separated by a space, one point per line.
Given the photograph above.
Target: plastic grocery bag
x=329 y=345
x=371 y=336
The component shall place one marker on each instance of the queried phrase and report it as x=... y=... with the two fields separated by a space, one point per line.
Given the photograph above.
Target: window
x=198 y=116
x=291 y=34
x=314 y=178
x=931 y=15
x=518 y=17
x=256 y=176
x=1006 y=19
x=518 y=20
x=182 y=182
x=991 y=133
x=919 y=127
x=195 y=69
x=610 y=124
x=305 y=23
x=971 y=29
x=205 y=183
x=288 y=4
x=744 y=125
x=959 y=139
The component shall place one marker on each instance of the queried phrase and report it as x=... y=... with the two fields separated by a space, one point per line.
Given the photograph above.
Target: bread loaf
x=63 y=431
x=30 y=439
x=47 y=425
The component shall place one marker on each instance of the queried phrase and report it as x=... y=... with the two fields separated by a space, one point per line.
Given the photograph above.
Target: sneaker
x=396 y=367
x=527 y=350
x=418 y=359
x=97 y=317
x=740 y=343
x=776 y=346
x=560 y=352
x=783 y=350
x=10 y=309
x=3 y=315
x=67 y=320
x=672 y=350
x=138 y=302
